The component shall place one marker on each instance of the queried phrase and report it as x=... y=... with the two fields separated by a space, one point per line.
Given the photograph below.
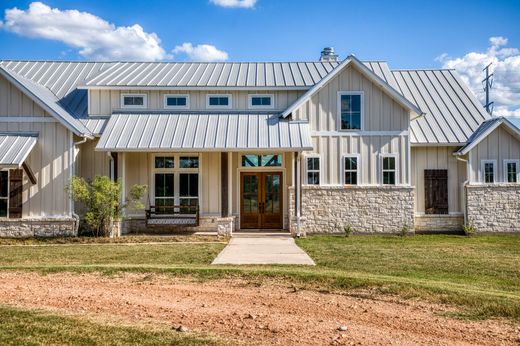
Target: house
x=303 y=146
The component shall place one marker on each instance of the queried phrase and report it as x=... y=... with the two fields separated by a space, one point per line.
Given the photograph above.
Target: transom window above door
x=219 y=101
x=262 y=160
x=133 y=101
x=350 y=110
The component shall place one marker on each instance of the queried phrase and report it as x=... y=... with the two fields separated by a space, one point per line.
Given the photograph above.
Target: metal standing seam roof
x=203 y=132
x=452 y=111
x=15 y=147
x=486 y=128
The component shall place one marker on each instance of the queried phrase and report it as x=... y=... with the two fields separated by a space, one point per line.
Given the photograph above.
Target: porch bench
x=173 y=215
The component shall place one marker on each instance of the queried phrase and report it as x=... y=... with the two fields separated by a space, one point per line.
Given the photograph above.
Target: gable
x=381 y=112
x=13 y=102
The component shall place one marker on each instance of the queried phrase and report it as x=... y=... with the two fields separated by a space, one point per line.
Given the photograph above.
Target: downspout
x=74 y=152
x=298 y=194
x=464 y=184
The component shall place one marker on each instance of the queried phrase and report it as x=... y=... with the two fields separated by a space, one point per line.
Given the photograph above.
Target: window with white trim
x=389 y=170
x=511 y=171
x=133 y=100
x=350 y=168
x=176 y=101
x=261 y=101
x=218 y=101
x=489 y=173
x=4 y=193
x=350 y=110
x=313 y=170
x=176 y=181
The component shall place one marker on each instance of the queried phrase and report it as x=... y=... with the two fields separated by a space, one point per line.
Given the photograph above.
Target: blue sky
x=464 y=35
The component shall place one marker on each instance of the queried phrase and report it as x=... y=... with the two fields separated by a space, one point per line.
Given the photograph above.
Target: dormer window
x=261 y=101
x=133 y=101
x=219 y=101
x=350 y=110
x=176 y=101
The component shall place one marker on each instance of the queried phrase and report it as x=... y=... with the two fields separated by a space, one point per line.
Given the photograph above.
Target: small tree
x=102 y=198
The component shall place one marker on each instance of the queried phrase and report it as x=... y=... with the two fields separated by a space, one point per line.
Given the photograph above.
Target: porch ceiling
x=203 y=132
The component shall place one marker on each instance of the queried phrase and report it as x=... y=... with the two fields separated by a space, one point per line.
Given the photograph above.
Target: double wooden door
x=261 y=196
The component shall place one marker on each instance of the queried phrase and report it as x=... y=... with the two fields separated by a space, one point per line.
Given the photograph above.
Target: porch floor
x=264 y=248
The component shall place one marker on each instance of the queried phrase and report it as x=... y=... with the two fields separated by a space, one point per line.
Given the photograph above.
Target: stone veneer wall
x=222 y=225
x=42 y=227
x=493 y=207
x=368 y=209
x=438 y=223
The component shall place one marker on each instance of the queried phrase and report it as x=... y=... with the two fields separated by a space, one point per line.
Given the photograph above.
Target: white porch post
x=298 y=193
x=123 y=178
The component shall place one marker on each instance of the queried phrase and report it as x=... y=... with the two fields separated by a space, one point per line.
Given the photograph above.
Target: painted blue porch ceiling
x=15 y=147
x=203 y=132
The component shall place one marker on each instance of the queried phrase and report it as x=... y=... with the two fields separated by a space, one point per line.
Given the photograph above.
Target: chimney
x=328 y=55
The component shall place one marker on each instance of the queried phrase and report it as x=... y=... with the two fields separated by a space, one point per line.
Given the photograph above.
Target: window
x=313 y=170
x=177 y=101
x=488 y=171
x=219 y=101
x=350 y=164
x=133 y=101
x=261 y=160
x=389 y=170
x=350 y=109
x=261 y=101
x=176 y=181
x=511 y=172
x=4 y=193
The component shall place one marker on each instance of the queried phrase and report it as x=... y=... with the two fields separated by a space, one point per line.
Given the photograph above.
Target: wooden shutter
x=436 y=191
x=15 y=193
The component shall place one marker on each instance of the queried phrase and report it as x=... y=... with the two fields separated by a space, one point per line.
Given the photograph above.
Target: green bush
x=102 y=198
x=348 y=230
x=469 y=229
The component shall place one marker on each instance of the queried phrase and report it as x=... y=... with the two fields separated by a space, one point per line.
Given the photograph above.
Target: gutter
x=73 y=172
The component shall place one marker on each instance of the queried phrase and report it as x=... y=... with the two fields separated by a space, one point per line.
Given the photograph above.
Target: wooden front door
x=436 y=191
x=261 y=200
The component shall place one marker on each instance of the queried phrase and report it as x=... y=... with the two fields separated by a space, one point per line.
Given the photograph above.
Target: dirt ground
x=271 y=314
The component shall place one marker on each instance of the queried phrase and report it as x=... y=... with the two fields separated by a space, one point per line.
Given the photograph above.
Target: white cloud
x=235 y=3
x=93 y=36
x=201 y=52
x=506 y=68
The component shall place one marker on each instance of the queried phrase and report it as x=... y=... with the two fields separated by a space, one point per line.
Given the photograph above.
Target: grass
x=31 y=327
x=480 y=274
x=181 y=238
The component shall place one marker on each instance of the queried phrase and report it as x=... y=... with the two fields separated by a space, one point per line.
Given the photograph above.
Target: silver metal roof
x=15 y=147
x=452 y=111
x=96 y=125
x=203 y=132
x=47 y=100
x=488 y=127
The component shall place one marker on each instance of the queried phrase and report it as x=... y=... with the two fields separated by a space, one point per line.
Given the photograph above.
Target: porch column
x=224 y=183
x=122 y=164
x=297 y=191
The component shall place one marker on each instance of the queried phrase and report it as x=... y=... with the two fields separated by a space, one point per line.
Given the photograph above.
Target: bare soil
x=235 y=309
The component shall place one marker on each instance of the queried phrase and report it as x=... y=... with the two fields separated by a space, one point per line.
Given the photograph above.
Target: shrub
x=348 y=230
x=469 y=229
x=102 y=198
x=405 y=230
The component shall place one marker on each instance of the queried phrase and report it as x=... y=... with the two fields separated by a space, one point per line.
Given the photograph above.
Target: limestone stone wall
x=367 y=209
x=50 y=227
x=494 y=207
x=222 y=225
x=438 y=223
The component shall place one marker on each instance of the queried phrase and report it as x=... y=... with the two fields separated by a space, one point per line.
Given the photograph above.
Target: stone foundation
x=494 y=207
x=49 y=227
x=222 y=225
x=439 y=223
x=367 y=209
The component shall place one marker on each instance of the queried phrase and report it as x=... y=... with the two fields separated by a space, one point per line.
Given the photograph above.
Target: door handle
x=261 y=207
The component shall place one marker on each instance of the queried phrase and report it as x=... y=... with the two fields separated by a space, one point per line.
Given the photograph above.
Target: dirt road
x=237 y=310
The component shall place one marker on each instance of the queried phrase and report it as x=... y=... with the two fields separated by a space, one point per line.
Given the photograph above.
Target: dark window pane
x=189 y=162
x=355 y=103
x=133 y=100
x=511 y=172
x=350 y=112
x=189 y=185
x=176 y=101
x=389 y=178
x=489 y=174
x=350 y=163
x=159 y=162
x=159 y=185
x=4 y=183
x=261 y=101
x=250 y=160
x=213 y=101
x=169 y=162
x=3 y=207
x=219 y=101
x=389 y=163
x=256 y=101
x=271 y=160
x=313 y=178
x=224 y=101
x=351 y=178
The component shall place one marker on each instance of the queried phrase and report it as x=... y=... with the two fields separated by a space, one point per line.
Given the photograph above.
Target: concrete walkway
x=263 y=249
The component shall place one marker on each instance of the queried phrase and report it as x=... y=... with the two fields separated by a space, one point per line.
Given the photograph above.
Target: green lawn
x=27 y=327
x=480 y=274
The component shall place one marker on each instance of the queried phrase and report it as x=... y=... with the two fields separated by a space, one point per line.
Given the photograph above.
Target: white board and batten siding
x=499 y=145
x=49 y=159
x=104 y=102
x=384 y=131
